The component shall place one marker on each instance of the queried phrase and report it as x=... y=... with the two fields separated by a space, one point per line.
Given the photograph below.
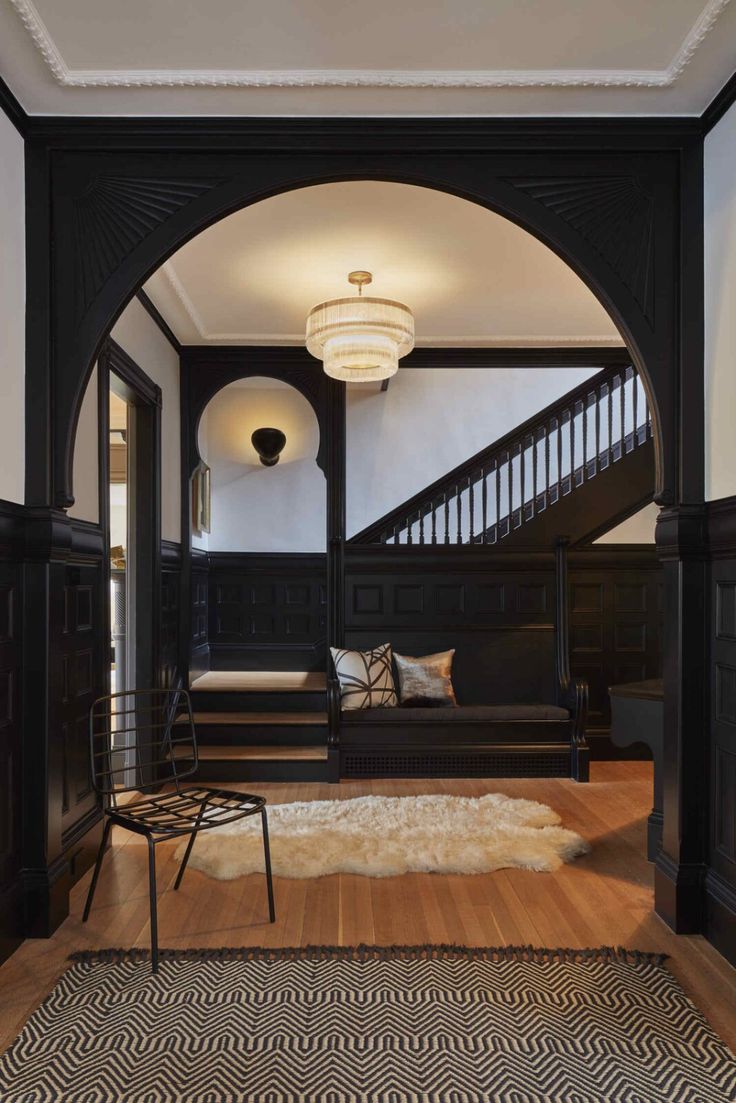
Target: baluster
x=484 y=504
x=573 y=413
x=522 y=480
x=596 y=466
x=421 y=524
x=610 y=423
x=470 y=509
x=584 y=411
x=409 y=526
x=458 y=503
x=434 y=522
x=534 y=472
x=635 y=401
x=545 y=430
x=511 y=488
x=560 y=421
x=498 y=499
x=623 y=413
x=447 y=517
x=396 y=534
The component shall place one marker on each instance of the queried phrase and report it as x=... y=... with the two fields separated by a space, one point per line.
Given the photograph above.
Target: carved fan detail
x=614 y=215
x=115 y=214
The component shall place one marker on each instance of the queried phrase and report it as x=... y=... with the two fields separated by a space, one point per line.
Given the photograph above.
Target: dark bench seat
x=519 y=713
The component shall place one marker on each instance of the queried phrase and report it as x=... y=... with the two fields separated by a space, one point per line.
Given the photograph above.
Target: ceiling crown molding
x=365 y=78
x=606 y=340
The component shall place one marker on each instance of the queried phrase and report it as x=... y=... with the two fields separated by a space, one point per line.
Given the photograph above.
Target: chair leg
x=267 y=856
x=98 y=867
x=152 y=895
x=188 y=850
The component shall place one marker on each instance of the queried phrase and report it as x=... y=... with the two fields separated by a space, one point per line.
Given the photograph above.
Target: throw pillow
x=426 y=682
x=366 y=677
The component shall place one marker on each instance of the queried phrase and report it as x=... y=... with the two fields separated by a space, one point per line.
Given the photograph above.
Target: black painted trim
x=12 y=108
x=719 y=105
x=125 y=367
x=152 y=310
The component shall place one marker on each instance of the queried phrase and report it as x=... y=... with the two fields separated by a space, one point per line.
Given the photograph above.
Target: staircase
x=577 y=468
x=261 y=726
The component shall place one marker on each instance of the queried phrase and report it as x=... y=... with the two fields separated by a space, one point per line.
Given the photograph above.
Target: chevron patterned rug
x=375 y=1025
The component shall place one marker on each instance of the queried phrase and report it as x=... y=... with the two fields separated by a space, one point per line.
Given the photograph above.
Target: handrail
x=526 y=478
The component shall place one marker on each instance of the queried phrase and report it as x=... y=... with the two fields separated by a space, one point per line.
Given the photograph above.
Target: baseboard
x=678 y=893
x=11 y=918
x=719 y=925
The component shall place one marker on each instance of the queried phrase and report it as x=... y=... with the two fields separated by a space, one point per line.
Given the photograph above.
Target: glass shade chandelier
x=360 y=339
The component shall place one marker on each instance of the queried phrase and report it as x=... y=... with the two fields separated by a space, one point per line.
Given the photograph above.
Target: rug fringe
x=428 y=952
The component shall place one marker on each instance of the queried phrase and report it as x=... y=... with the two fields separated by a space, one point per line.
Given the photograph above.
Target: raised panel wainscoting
x=720 y=878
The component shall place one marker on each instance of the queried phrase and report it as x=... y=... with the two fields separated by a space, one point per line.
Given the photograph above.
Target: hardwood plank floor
x=603 y=898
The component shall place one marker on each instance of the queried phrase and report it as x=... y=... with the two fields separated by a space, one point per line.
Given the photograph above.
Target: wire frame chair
x=144 y=742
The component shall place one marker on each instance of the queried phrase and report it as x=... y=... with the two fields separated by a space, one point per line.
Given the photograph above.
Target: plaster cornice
x=364 y=78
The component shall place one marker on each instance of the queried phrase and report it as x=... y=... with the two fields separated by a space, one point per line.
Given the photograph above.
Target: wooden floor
x=604 y=898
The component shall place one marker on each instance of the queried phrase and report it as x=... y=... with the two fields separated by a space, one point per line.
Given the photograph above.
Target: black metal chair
x=140 y=742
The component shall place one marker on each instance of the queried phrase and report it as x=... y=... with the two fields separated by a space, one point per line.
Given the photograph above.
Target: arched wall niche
x=255 y=508
x=606 y=227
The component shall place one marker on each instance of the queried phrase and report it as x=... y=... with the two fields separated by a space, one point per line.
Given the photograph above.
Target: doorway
x=131 y=406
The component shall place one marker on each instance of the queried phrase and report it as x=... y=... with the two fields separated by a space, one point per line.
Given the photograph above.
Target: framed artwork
x=201 y=499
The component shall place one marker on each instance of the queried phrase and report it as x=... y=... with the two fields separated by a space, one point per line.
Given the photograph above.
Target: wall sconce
x=269 y=444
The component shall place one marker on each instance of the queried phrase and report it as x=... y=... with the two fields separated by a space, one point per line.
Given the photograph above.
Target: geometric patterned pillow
x=366 y=677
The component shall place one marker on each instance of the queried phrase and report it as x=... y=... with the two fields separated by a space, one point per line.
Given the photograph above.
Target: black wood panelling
x=720 y=879
x=616 y=616
x=79 y=657
x=169 y=672
x=10 y=751
x=497 y=610
x=267 y=611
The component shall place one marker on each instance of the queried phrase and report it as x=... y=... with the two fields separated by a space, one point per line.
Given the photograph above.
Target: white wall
x=429 y=421
x=12 y=313
x=141 y=338
x=85 y=470
x=256 y=508
x=720 y=308
x=638 y=529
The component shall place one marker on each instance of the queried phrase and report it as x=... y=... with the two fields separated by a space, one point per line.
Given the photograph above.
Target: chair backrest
x=141 y=739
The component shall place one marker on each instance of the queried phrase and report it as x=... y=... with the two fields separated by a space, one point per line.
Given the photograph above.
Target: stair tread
x=260 y=718
x=261 y=681
x=316 y=753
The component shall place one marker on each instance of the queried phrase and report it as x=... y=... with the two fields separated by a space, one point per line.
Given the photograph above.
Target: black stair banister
x=525 y=472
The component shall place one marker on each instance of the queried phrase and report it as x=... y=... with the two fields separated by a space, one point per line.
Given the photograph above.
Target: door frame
x=144 y=500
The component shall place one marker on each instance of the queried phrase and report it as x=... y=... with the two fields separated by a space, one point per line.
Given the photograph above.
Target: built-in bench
x=519 y=713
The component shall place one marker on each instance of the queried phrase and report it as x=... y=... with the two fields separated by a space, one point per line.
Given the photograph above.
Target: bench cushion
x=482 y=713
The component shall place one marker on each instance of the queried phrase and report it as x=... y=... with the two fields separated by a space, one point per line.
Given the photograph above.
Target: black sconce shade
x=269 y=444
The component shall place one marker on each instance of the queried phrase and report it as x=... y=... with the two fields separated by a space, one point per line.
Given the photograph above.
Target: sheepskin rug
x=386 y=836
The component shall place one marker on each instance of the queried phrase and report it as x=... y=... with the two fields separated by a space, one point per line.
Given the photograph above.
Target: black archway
x=620 y=203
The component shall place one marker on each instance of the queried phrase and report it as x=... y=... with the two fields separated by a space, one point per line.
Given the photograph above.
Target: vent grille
x=455 y=765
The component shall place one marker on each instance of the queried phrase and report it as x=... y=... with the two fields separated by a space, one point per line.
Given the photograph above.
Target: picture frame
x=202 y=499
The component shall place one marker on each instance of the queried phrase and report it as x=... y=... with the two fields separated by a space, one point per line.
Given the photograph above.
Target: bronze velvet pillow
x=426 y=682
x=366 y=677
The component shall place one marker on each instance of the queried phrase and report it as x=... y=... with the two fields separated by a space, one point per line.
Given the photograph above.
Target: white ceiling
x=373 y=57
x=470 y=276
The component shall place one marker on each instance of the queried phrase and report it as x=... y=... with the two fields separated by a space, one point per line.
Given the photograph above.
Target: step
x=259 y=691
x=262 y=754
x=265 y=763
x=253 y=728
x=260 y=718
x=260 y=681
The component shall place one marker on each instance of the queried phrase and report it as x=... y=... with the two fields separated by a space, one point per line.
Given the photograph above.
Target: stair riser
x=211 y=701
x=265 y=735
